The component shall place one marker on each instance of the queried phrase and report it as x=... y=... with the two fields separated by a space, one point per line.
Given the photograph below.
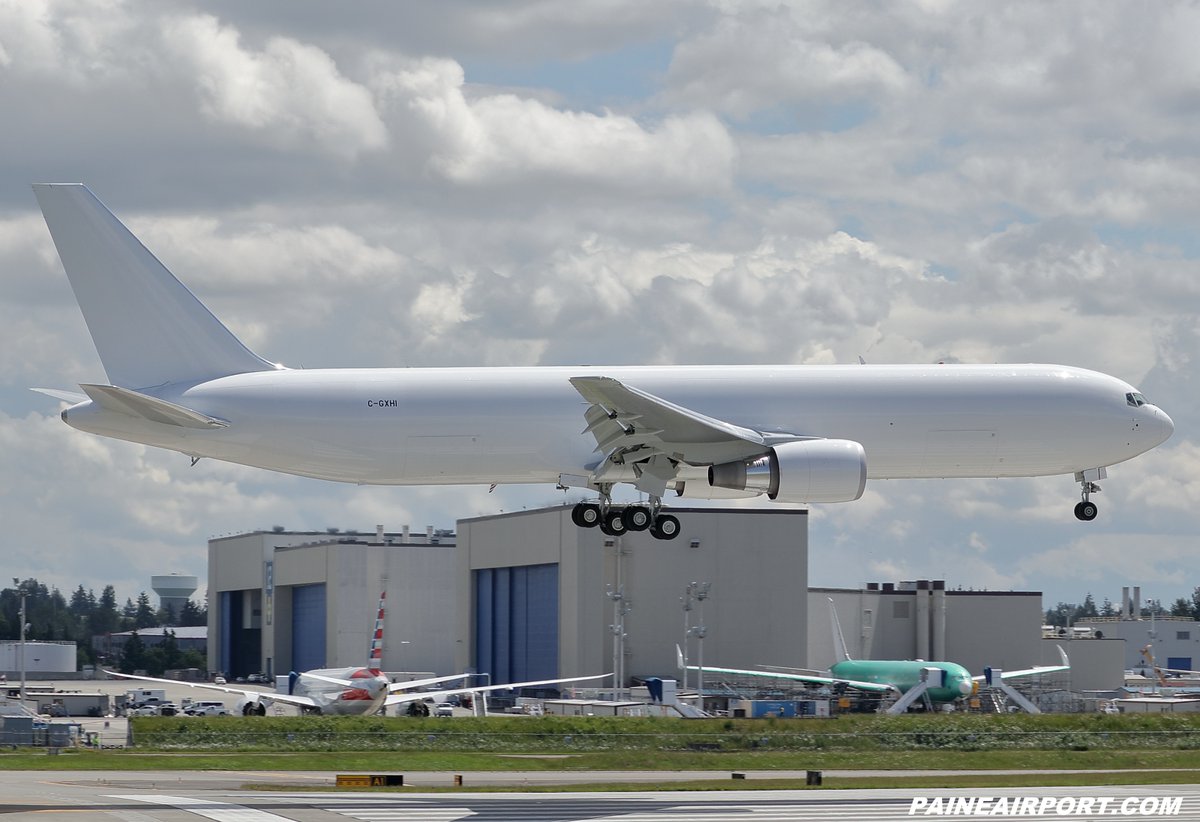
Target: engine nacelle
x=803 y=471
x=251 y=706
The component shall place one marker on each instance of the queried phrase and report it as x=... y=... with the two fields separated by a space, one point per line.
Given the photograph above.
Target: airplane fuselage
x=904 y=675
x=431 y=426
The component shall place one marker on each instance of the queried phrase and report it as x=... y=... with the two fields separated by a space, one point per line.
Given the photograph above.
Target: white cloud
x=734 y=182
x=290 y=90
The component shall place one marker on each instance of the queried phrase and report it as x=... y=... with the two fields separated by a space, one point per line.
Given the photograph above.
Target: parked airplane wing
x=261 y=696
x=859 y=685
x=397 y=699
x=1043 y=669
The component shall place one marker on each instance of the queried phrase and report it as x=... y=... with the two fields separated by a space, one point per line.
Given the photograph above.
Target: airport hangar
x=529 y=595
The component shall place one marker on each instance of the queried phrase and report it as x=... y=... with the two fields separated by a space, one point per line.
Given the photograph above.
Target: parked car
x=168 y=709
x=207 y=708
x=220 y=680
x=444 y=709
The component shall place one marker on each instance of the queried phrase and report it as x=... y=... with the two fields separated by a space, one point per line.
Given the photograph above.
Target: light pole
x=24 y=627
x=621 y=607
x=701 y=593
x=686 y=599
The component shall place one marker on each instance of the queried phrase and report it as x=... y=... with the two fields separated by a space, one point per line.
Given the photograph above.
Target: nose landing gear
x=1086 y=510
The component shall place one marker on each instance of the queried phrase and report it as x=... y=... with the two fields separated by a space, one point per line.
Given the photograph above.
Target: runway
x=179 y=797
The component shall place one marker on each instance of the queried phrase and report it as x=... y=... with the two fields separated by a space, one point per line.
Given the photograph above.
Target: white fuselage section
x=425 y=426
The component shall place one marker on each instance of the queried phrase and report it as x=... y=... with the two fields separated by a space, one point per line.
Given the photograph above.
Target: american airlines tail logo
x=375 y=659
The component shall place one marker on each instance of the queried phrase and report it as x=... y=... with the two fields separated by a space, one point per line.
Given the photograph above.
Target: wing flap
x=135 y=404
x=624 y=419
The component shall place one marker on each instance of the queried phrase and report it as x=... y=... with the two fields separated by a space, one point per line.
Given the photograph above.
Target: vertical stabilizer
x=375 y=657
x=147 y=327
x=839 y=641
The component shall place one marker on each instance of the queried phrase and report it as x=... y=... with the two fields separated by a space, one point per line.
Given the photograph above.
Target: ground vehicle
x=220 y=680
x=444 y=709
x=168 y=709
x=207 y=708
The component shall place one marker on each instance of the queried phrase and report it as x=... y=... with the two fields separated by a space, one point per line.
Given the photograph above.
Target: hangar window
x=1183 y=634
x=900 y=610
x=1135 y=399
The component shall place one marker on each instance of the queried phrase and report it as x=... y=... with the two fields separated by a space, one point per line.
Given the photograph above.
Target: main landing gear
x=616 y=520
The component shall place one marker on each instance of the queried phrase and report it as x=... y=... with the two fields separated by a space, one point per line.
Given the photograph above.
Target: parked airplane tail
x=839 y=641
x=375 y=657
x=147 y=327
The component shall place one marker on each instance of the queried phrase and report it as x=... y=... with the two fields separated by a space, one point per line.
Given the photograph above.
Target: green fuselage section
x=905 y=674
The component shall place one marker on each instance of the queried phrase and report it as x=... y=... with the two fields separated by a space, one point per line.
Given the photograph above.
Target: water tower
x=174 y=590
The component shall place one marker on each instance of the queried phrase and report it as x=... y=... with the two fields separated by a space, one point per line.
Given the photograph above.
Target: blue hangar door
x=308 y=627
x=516 y=622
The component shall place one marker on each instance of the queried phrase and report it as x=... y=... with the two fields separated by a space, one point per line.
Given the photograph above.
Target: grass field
x=1132 y=749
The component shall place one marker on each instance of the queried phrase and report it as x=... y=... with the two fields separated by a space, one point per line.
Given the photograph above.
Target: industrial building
x=923 y=619
x=529 y=595
x=1167 y=642
x=539 y=597
x=40 y=658
x=283 y=601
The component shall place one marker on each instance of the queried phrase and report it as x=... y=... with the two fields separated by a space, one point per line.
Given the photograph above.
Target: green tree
x=144 y=616
x=133 y=655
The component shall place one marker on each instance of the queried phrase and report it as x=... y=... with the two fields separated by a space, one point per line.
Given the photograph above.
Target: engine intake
x=804 y=471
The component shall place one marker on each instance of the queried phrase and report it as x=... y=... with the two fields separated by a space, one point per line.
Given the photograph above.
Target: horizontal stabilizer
x=124 y=401
x=69 y=397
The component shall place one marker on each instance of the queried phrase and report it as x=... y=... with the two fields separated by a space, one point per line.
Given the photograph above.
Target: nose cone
x=964 y=686
x=1161 y=426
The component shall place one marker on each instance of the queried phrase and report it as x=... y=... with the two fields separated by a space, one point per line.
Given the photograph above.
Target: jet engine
x=803 y=471
x=251 y=706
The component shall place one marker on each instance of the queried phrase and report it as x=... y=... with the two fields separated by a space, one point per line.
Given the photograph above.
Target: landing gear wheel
x=612 y=524
x=666 y=527
x=1086 y=511
x=586 y=515
x=636 y=518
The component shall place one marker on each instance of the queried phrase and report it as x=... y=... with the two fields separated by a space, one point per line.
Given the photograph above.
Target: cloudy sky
x=685 y=181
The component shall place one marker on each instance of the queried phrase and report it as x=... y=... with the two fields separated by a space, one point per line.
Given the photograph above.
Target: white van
x=207 y=708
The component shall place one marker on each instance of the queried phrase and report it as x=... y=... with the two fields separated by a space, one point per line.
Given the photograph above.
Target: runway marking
x=217 y=811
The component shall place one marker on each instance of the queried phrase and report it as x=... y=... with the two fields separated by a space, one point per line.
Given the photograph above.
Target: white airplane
x=359 y=691
x=179 y=379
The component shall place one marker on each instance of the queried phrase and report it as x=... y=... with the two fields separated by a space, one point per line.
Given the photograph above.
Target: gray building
x=283 y=601
x=534 y=593
x=923 y=620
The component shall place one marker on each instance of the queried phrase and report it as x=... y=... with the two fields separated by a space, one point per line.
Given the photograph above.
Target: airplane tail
x=375 y=658
x=147 y=327
x=839 y=641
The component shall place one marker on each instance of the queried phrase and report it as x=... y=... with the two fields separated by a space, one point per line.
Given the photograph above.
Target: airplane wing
x=423 y=683
x=266 y=697
x=633 y=426
x=1042 y=669
x=397 y=699
x=859 y=685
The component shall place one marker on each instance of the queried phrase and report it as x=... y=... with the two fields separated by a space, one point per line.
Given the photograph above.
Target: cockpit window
x=1135 y=399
